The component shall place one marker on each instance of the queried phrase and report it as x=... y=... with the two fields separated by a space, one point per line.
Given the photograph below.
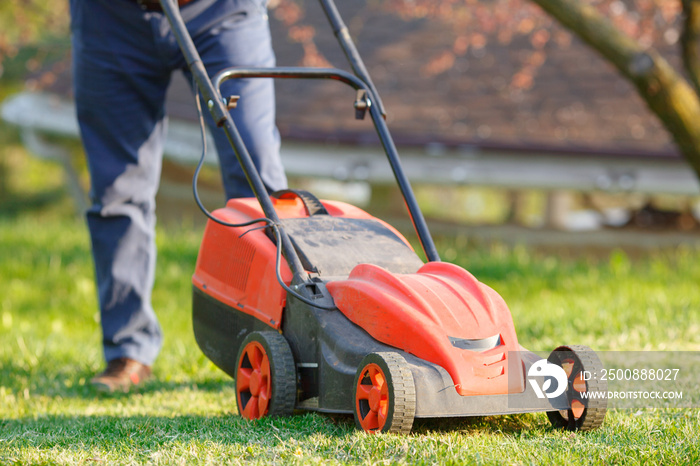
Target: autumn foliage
x=24 y=22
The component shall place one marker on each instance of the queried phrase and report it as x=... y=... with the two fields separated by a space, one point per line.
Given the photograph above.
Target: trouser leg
x=236 y=33
x=119 y=96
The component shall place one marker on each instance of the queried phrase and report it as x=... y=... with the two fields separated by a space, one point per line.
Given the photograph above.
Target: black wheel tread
x=403 y=392
x=284 y=386
x=282 y=371
x=596 y=408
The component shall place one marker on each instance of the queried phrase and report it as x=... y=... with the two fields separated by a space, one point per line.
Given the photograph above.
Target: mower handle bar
x=380 y=126
x=290 y=72
x=353 y=56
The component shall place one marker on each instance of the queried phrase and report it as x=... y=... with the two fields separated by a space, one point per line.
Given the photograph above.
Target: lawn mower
x=316 y=305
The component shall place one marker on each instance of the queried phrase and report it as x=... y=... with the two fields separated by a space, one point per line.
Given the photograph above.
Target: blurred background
x=510 y=127
x=558 y=168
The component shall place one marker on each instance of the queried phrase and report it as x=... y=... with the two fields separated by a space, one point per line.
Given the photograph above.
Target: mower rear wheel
x=585 y=412
x=385 y=395
x=265 y=376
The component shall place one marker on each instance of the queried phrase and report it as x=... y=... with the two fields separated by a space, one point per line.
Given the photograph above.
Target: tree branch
x=689 y=41
x=667 y=94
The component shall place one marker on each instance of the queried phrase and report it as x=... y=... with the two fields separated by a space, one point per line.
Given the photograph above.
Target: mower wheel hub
x=375 y=399
x=255 y=383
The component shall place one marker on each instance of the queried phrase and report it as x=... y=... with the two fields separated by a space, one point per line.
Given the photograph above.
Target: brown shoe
x=120 y=375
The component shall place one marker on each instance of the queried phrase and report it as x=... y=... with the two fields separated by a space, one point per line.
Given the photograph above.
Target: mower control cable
x=271 y=224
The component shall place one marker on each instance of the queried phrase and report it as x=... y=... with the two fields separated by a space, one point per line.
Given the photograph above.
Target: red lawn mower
x=316 y=305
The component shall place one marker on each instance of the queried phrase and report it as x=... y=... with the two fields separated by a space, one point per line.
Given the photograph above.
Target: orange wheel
x=585 y=412
x=385 y=397
x=265 y=376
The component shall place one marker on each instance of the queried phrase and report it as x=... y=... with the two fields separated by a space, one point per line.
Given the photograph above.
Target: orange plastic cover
x=434 y=314
x=236 y=266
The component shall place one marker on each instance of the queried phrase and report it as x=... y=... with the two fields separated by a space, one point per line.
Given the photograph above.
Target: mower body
x=455 y=333
x=320 y=306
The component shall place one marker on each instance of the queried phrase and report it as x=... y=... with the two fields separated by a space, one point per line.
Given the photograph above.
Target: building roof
x=561 y=96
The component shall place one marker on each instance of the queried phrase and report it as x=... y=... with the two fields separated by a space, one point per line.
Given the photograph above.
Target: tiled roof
x=576 y=99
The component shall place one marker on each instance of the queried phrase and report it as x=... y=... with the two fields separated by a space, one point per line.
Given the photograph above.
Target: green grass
x=50 y=347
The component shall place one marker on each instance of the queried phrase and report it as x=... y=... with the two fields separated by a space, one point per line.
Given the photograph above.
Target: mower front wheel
x=265 y=376
x=385 y=395
x=587 y=408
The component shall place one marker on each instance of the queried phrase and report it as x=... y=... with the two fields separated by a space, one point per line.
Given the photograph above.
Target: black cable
x=195 y=177
x=267 y=221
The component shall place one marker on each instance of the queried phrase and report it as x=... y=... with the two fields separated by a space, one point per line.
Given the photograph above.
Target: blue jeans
x=123 y=58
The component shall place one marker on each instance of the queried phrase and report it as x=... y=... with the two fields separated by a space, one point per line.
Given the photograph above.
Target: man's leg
x=119 y=96
x=236 y=33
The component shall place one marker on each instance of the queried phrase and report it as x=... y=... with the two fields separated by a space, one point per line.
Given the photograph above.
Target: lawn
x=50 y=347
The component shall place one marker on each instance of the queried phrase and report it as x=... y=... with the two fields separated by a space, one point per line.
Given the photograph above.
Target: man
x=124 y=54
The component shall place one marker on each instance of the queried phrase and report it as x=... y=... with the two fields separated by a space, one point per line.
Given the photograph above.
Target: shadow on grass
x=506 y=424
x=153 y=432
x=514 y=424
x=73 y=382
x=103 y=432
